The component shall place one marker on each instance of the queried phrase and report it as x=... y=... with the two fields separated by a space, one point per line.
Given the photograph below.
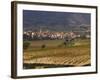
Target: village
x=50 y=35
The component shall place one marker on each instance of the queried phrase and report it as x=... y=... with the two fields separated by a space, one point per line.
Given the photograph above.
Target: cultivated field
x=54 y=53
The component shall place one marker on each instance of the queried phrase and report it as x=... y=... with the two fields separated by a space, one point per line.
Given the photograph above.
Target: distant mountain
x=55 y=21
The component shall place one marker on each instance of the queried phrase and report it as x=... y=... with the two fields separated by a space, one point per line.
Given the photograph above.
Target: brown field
x=55 y=53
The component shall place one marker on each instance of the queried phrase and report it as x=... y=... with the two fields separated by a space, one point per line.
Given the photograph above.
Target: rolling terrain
x=55 y=54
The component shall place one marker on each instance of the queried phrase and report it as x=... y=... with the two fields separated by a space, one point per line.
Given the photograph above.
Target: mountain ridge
x=55 y=21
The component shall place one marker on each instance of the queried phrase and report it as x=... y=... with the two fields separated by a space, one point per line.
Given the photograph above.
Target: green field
x=55 y=52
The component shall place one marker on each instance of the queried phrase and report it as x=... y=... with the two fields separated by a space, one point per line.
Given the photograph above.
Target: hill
x=55 y=21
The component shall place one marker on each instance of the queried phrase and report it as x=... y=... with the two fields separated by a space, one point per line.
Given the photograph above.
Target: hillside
x=55 y=21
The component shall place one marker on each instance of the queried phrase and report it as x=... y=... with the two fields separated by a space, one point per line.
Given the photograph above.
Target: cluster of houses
x=47 y=35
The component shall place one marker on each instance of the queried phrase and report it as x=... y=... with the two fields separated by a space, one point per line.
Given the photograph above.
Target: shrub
x=26 y=44
x=43 y=46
